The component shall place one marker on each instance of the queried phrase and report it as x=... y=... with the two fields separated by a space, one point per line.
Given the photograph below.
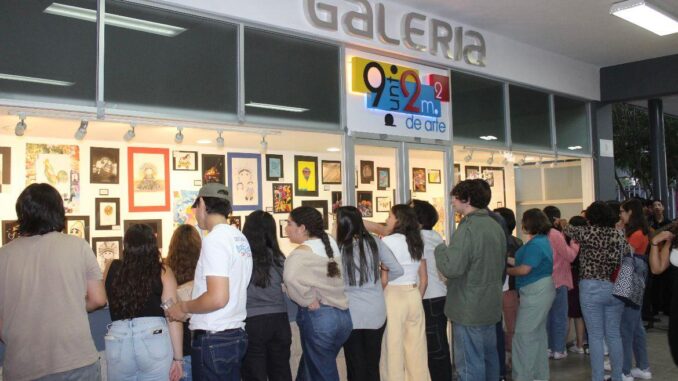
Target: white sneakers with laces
x=644 y=374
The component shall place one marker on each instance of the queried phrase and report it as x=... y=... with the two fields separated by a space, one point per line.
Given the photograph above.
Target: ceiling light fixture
x=43 y=81
x=646 y=15
x=334 y=149
x=263 y=144
x=220 y=140
x=522 y=161
x=130 y=134
x=575 y=148
x=488 y=137
x=469 y=157
x=82 y=130
x=114 y=20
x=491 y=159
x=276 y=107
x=20 y=128
x=179 y=136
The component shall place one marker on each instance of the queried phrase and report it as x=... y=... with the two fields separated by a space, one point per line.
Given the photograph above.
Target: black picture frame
x=97 y=213
x=271 y=166
x=319 y=204
x=182 y=160
x=108 y=248
x=331 y=171
x=383 y=178
x=365 y=203
x=366 y=171
x=213 y=168
x=155 y=224
x=282 y=224
x=104 y=165
x=75 y=224
x=434 y=173
x=302 y=189
x=6 y=153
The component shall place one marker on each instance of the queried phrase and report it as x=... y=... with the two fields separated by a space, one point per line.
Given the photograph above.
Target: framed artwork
x=274 y=167
x=235 y=221
x=366 y=171
x=383 y=178
x=155 y=224
x=365 y=203
x=5 y=165
x=57 y=165
x=244 y=180
x=495 y=177
x=434 y=176
x=9 y=231
x=356 y=179
x=471 y=172
x=103 y=192
x=282 y=198
x=185 y=160
x=457 y=174
x=439 y=204
x=336 y=201
x=321 y=206
x=213 y=169
x=282 y=224
x=78 y=226
x=107 y=213
x=306 y=175
x=419 y=179
x=331 y=172
x=148 y=179
x=106 y=248
x=104 y=167
x=182 y=208
x=383 y=204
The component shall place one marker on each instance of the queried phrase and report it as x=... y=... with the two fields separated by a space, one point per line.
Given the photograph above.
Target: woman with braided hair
x=314 y=281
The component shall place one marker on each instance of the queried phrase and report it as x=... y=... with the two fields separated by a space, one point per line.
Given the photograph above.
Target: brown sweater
x=306 y=279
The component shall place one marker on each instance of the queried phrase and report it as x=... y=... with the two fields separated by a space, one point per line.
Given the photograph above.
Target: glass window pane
x=376 y=181
x=289 y=80
x=45 y=56
x=563 y=182
x=572 y=127
x=477 y=109
x=189 y=72
x=427 y=182
x=528 y=184
x=530 y=125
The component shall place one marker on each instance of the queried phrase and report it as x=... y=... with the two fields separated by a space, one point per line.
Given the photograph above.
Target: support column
x=603 y=166
x=655 y=110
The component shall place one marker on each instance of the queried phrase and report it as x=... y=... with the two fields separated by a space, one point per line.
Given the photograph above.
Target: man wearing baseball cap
x=219 y=300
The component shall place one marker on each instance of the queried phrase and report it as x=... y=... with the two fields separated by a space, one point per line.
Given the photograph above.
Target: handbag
x=630 y=283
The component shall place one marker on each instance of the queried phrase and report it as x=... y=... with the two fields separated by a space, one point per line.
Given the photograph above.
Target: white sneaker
x=576 y=349
x=607 y=366
x=549 y=353
x=644 y=374
x=559 y=355
x=626 y=378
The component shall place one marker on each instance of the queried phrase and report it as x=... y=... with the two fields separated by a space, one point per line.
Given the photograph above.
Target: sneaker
x=626 y=378
x=550 y=353
x=576 y=349
x=559 y=355
x=644 y=374
x=606 y=365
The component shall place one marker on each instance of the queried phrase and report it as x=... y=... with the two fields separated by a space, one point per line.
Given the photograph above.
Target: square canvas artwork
x=244 y=180
x=106 y=248
x=148 y=179
x=365 y=203
x=331 y=172
x=185 y=160
x=419 y=179
x=213 y=169
x=104 y=165
x=282 y=198
x=57 y=165
x=274 y=167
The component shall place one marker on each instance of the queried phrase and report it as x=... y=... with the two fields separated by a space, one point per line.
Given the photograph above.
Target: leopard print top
x=601 y=250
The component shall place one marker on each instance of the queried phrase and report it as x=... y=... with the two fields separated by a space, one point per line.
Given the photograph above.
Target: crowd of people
x=217 y=308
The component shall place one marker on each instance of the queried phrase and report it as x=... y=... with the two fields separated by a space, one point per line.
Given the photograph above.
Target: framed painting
x=419 y=179
x=320 y=206
x=383 y=178
x=182 y=209
x=471 y=172
x=213 y=169
x=104 y=165
x=235 y=221
x=457 y=174
x=9 y=231
x=155 y=224
x=282 y=224
x=331 y=172
x=306 y=175
x=148 y=179
x=244 y=180
x=496 y=179
x=106 y=248
x=434 y=176
x=185 y=160
x=383 y=204
x=365 y=203
x=5 y=165
x=78 y=226
x=366 y=171
x=107 y=213
x=59 y=166
x=274 y=167
x=336 y=201
x=282 y=198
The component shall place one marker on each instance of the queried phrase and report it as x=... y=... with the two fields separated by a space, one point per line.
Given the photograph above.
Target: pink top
x=563 y=255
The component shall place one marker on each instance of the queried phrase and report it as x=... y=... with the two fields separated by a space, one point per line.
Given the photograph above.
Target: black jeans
x=268 y=351
x=439 y=364
x=362 y=351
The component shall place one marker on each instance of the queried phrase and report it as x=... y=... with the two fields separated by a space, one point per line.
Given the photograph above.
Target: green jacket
x=474 y=266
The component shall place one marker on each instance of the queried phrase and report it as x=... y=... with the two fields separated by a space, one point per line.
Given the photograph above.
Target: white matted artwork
x=244 y=180
x=495 y=177
x=108 y=248
x=148 y=179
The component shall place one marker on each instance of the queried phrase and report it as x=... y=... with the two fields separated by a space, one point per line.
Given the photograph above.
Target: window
x=530 y=123
x=478 y=110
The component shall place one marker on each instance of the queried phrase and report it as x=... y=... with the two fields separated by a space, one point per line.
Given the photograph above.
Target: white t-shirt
x=398 y=245
x=436 y=281
x=225 y=253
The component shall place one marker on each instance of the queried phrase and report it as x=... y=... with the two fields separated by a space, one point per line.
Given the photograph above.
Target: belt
x=201 y=332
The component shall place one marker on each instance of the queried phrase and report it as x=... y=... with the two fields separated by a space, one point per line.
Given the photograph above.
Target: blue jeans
x=475 y=352
x=556 y=325
x=138 y=349
x=188 y=376
x=633 y=339
x=602 y=315
x=218 y=356
x=322 y=334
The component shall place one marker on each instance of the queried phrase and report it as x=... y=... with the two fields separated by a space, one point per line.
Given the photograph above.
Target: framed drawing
x=471 y=172
x=336 y=201
x=182 y=209
x=457 y=174
x=434 y=176
x=365 y=203
x=9 y=231
x=78 y=226
x=57 y=165
x=106 y=248
x=306 y=175
x=282 y=198
x=148 y=179
x=331 y=172
x=235 y=221
x=107 y=213
x=213 y=169
x=244 y=180
x=356 y=179
x=383 y=204
x=366 y=171
x=185 y=160
x=274 y=167
x=104 y=167
x=383 y=178
x=282 y=224
x=6 y=165
x=419 y=179
x=155 y=224
x=495 y=177
x=321 y=206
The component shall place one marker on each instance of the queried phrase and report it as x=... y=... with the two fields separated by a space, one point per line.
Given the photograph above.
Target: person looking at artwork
x=363 y=256
x=313 y=279
x=140 y=342
x=267 y=324
x=44 y=274
x=218 y=306
x=182 y=258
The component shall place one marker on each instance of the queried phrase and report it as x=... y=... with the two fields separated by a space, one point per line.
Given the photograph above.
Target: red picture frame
x=148 y=193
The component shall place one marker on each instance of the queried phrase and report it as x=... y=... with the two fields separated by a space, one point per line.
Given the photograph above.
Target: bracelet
x=178 y=360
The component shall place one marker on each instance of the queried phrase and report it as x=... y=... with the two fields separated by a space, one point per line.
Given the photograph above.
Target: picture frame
x=418 y=179
x=59 y=166
x=155 y=224
x=434 y=176
x=244 y=180
x=6 y=166
x=496 y=178
x=306 y=175
x=106 y=213
x=148 y=179
x=9 y=231
x=274 y=167
x=282 y=197
x=457 y=174
x=336 y=201
x=364 y=202
x=106 y=248
x=384 y=204
x=321 y=206
x=383 y=178
x=103 y=192
x=78 y=226
x=282 y=224
x=104 y=167
x=366 y=171
x=235 y=221
x=182 y=208
x=184 y=160
x=213 y=168
x=471 y=172
x=331 y=172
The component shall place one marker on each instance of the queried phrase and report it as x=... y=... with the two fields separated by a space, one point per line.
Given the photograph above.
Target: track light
x=263 y=145
x=220 y=140
x=540 y=162
x=491 y=159
x=20 y=128
x=82 y=130
x=130 y=134
x=179 y=137
x=522 y=161
x=468 y=157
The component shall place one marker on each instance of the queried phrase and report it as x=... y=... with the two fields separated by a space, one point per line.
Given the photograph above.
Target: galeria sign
x=452 y=43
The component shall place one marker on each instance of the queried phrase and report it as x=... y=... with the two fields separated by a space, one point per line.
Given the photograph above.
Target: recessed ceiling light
x=646 y=15
x=575 y=148
x=44 y=81
x=276 y=107
x=334 y=149
x=488 y=137
x=204 y=141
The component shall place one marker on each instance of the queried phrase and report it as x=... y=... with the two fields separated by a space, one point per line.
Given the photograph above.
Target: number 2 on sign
x=417 y=90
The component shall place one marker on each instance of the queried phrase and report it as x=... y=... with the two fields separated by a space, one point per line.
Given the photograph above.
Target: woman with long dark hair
x=405 y=335
x=361 y=256
x=267 y=324
x=313 y=279
x=140 y=342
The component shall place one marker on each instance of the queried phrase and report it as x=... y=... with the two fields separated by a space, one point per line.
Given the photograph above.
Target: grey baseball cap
x=215 y=190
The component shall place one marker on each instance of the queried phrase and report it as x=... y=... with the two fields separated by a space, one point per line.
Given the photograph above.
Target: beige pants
x=403 y=349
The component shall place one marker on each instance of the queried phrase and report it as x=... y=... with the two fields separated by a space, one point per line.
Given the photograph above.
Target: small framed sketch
x=320 y=206
x=336 y=201
x=383 y=204
x=106 y=248
x=148 y=179
x=9 y=231
x=244 y=180
x=434 y=176
x=306 y=176
x=331 y=172
x=471 y=172
x=365 y=203
x=5 y=165
x=185 y=160
x=457 y=174
x=366 y=171
x=274 y=167
x=235 y=221
x=155 y=224
x=282 y=198
x=78 y=226
x=107 y=213
x=282 y=224
x=213 y=169
x=383 y=178
x=419 y=179
x=104 y=165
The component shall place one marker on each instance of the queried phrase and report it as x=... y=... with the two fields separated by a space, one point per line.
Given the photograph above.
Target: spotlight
x=540 y=162
x=263 y=145
x=522 y=161
x=468 y=157
x=130 y=134
x=179 y=137
x=82 y=130
x=491 y=159
x=20 y=128
x=220 y=140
